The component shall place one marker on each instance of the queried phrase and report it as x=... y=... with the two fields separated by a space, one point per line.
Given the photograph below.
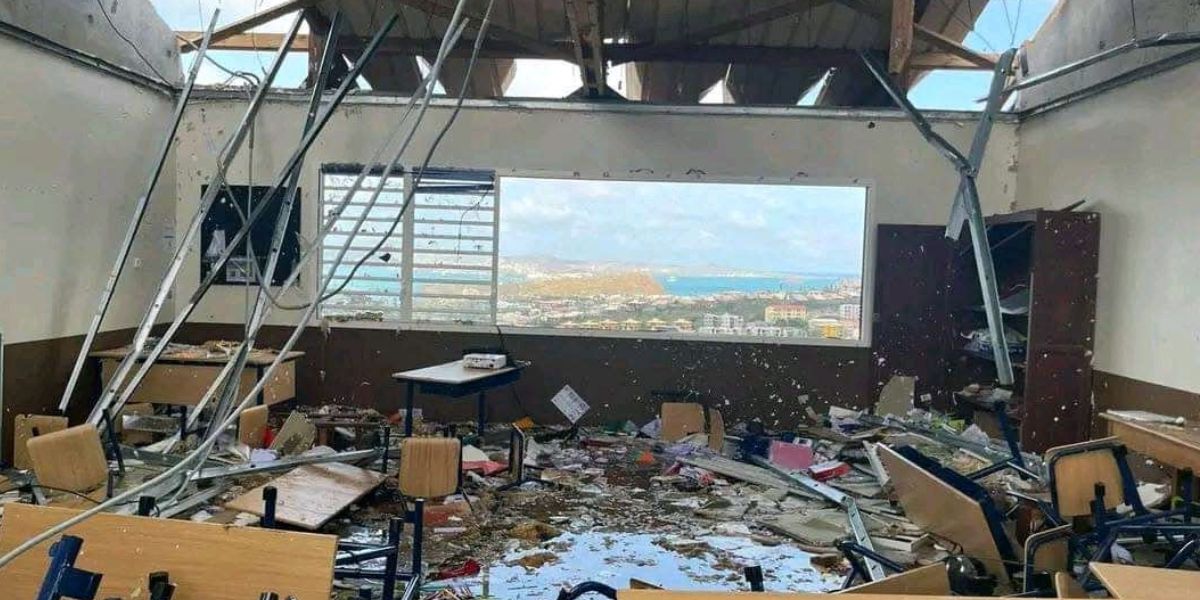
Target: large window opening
x=691 y=259
x=678 y=259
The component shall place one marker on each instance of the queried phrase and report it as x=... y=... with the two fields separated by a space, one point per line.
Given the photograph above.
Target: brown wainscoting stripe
x=1117 y=392
x=35 y=373
x=614 y=375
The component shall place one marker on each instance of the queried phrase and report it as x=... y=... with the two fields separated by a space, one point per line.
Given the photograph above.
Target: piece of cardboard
x=681 y=419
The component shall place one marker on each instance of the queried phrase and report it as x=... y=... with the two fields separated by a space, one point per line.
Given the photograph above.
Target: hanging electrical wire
x=970 y=26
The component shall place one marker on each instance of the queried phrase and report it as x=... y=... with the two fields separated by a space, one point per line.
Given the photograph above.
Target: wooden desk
x=1176 y=447
x=183 y=379
x=1147 y=583
x=453 y=380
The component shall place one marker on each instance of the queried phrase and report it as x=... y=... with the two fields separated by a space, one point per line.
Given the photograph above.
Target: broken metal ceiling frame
x=594 y=41
x=139 y=213
x=183 y=247
x=205 y=446
x=969 y=194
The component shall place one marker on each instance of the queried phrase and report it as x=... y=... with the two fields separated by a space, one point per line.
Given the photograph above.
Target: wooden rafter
x=585 y=18
x=250 y=22
x=266 y=42
x=761 y=17
x=445 y=10
x=901 y=40
x=925 y=34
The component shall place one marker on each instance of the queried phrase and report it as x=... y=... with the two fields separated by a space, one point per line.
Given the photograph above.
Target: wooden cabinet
x=1048 y=257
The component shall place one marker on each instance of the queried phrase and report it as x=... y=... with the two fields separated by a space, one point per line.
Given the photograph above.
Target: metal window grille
x=440 y=263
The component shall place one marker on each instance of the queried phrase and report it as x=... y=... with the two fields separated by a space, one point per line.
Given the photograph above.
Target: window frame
x=868 y=267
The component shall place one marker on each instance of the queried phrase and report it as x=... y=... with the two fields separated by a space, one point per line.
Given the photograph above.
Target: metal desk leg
x=482 y=413
x=408 y=410
x=259 y=371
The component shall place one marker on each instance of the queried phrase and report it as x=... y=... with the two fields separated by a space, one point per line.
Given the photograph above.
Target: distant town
x=695 y=301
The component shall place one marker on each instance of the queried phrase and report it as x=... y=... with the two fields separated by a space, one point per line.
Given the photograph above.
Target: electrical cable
x=132 y=46
x=970 y=27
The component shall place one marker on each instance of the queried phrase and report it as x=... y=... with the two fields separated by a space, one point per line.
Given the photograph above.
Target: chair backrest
x=72 y=459
x=429 y=466
x=1076 y=469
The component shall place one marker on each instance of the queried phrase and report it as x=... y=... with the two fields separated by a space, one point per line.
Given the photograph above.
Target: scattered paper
x=570 y=404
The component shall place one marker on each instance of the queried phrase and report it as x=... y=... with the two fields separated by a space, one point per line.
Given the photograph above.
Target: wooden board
x=207 y=562
x=1146 y=583
x=185 y=385
x=71 y=459
x=429 y=467
x=681 y=419
x=311 y=495
x=452 y=373
x=1065 y=586
x=1177 y=447
x=716 y=437
x=252 y=424
x=930 y=580
x=257 y=358
x=24 y=427
x=941 y=510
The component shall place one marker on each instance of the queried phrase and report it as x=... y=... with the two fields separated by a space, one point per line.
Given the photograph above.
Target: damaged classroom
x=627 y=299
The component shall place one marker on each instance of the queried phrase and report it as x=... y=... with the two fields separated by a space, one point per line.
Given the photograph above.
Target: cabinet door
x=910 y=321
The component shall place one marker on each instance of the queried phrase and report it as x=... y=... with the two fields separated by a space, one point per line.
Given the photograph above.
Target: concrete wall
x=79 y=25
x=911 y=183
x=76 y=147
x=1132 y=154
x=1078 y=29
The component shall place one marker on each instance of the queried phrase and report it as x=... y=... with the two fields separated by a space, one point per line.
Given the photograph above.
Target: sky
x=1004 y=23
x=752 y=227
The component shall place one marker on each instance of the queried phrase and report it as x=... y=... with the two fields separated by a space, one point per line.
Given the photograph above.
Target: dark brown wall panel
x=35 y=373
x=1125 y=393
x=615 y=375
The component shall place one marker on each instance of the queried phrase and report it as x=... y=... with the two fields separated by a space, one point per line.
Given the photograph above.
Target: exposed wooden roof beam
x=901 y=40
x=929 y=61
x=250 y=22
x=266 y=42
x=585 y=18
x=925 y=34
x=445 y=10
x=766 y=15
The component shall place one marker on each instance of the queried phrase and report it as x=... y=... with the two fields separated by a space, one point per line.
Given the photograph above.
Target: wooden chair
x=930 y=580
x=430 y=467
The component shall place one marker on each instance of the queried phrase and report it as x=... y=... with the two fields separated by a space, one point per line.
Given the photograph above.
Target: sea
x=705 y=285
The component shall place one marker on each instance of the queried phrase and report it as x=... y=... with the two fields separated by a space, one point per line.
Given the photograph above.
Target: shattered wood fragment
x=311 y=495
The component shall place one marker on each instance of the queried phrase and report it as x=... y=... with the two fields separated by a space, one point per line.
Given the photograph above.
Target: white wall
x=76 y=146
x=1133 y=153
x=911 y=182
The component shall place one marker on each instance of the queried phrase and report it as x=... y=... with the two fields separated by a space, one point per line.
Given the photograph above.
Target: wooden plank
x=71 y=459
x=681 y=419
x=27 y=427
x=1076 y=473
x=185 y=385
x=250 y=22
x=452 y=373
x=930 y=580
x=252 y=424
x=716 y=434
x=429 y=467
x=263 y=42
x=258 y=358
x=311 y=495
x=928 y=61
x=1146 y=583
x=1177 y=447
x=206 y=561
x=900 y=49
x=941 y=510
